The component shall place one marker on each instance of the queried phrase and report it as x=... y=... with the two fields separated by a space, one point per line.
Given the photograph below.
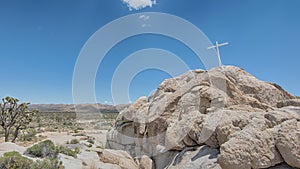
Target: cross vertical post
x=218 y=50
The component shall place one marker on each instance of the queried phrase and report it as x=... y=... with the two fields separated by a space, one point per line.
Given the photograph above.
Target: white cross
x=218 y=51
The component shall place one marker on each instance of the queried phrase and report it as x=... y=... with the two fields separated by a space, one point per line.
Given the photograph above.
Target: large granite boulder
x=288 y=142
x=196 y=158
x=224 y=108
x=265 y=140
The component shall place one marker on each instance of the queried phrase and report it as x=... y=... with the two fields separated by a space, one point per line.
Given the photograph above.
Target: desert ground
x=86 y=134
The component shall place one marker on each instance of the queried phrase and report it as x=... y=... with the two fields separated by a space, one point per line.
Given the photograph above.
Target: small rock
x=288 y=142
x=117 y=157
x=145 y=162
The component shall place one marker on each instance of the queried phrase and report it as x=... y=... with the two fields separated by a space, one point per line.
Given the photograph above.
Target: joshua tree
x=14 y=117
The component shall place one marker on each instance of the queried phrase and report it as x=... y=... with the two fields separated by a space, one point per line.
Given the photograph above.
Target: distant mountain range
x=82 y=108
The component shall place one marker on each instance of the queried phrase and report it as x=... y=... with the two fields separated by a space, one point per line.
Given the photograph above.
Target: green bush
x=14 y=160
x=74 y=141
x=47 y=149
x=80 y=128
x=48 y=164
x=44 y=149
x=188 y=79
x=67 y=151
x=90 y=141
x=79 y=134
x=77 y=150
x=12 y=154
x=28 y=135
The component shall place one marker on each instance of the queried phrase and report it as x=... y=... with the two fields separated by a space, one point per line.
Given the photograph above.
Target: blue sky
x=40 y=41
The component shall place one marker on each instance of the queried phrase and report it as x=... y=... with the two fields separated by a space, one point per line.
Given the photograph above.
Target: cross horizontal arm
x=211 y=47
x=223 y=44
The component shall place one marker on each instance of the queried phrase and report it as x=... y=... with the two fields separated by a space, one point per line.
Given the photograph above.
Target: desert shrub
x=44 y=149
x=80 y=128
x=67 y=151
x=75 y=130
x=14 y=160
x=188 y=79
x=77 y=150
x=47 y=149
x=79 y=134
x=12 y=154
x=74 y=141
x=67 y=123
x=89 y=145
x=28 y=135
x=48 y=164
x=90 y=141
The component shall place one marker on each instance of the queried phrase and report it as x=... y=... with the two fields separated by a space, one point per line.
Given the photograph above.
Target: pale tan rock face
x=267 y=139
x=250 y=148
x=145 y=162
x=117 y=157
x=288 y=142
x=224 y=108
x=290 y=102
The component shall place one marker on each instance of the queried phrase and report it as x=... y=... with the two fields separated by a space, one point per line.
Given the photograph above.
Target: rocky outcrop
x=118 y=158
x=224 y=109
x=290 y=102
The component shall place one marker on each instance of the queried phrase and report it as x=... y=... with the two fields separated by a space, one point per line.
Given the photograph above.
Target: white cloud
x=108 y=102
x=144 y=17
x=139 y=4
